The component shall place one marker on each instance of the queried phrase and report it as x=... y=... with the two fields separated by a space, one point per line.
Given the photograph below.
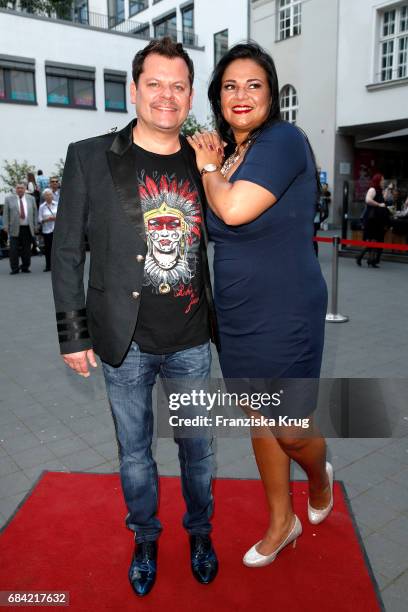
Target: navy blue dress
x=270 y=294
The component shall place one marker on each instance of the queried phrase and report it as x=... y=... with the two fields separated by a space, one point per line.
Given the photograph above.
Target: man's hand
x=79 y=361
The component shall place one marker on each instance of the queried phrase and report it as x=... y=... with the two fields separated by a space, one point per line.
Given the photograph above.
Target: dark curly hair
x=250 y=50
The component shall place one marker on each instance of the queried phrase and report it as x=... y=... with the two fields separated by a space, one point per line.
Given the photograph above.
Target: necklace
x=232 y=159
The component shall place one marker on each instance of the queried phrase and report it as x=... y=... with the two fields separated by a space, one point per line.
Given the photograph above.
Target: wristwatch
x=208 y=168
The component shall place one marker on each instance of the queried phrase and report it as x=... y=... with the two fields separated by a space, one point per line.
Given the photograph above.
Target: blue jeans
x=129 y=388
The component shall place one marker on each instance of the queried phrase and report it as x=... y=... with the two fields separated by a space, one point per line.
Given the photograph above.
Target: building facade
x=342 y=67
x=65 y=76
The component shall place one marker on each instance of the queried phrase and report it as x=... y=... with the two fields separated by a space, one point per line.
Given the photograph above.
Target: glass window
x=22 y=86
x=70 y=91
x=188 y=25
x=116 y=12
x=115 y=96
x=166 y=27
x=290 y=18
x=57 y=90
x=220 y=45
x=142 y=31
x=2 y=85
x=403 y=57
x=393 y=49
x=82 y=92
x=289 y=104
x=135 y=6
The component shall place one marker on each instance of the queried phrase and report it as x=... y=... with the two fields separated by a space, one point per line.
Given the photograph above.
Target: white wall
x=308 y=62
x=358 y=65
x=40 y=134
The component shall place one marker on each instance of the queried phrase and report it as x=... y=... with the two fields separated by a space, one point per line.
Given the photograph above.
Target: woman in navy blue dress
x=270 y=295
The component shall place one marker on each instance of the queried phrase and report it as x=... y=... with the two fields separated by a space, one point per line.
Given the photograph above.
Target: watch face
x=210 y=167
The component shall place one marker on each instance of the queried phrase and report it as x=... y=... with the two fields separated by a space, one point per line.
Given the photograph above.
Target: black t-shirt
x=173 y=313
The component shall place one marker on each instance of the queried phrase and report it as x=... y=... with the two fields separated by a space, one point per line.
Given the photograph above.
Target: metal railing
x=100 y=21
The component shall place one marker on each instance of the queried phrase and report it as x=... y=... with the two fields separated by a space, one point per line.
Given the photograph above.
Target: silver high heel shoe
x=315 y=515
x=254 y=559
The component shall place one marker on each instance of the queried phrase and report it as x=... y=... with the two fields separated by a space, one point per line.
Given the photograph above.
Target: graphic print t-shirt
x=173 y=312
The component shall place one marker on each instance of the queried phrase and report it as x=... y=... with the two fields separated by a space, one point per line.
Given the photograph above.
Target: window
x=187 y=16
x=220 y=45
x=135 y=6
x=115 y=91
x=166 y=27
x=17 y=82
x=394 y=44
x=142 y=31
x=116 y=12
x=289 y=104
x=70 y=86
x=290 y=16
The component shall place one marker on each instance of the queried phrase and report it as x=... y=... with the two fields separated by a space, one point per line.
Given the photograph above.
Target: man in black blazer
x=148 y=309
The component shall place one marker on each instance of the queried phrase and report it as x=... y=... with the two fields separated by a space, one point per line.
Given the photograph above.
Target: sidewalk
x=51 y=419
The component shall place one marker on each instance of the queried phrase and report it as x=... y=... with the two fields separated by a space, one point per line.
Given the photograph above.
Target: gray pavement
x=51 y=419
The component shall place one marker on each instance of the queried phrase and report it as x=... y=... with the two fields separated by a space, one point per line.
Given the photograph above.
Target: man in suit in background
x=20 y=222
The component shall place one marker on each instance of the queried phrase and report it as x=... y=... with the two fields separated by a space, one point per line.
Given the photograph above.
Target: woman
x=375 y=219
x=269 y=291
x=47 y=215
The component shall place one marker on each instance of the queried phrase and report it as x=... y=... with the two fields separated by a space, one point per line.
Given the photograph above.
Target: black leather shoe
x=143 y=569
x=26 y=271
x=204 y=562
x=14 y=271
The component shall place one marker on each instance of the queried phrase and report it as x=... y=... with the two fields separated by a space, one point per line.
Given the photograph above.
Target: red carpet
x=69 y=535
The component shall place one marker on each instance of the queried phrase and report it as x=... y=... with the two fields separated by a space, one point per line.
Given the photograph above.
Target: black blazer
x=99 y=198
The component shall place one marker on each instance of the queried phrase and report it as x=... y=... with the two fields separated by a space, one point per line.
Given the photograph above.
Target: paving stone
x=12 y=430
x=83 y=460
x=372 y=512
x=8 y=466
x=98 y=436
x=395 y=595
x=21 y=443
x=33 y=457
x=54 y=432
x=390 y=494
x=396 y=530
x=9 y=504
x=67 y=446
x=13 y=483
x=398 y=450
x=387 y=557
x=54 y=465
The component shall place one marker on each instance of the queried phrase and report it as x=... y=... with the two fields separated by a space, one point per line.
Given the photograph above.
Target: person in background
x=3 y=235
x=374 y=219
x=20 y=222
x=32 y=189
x=55 y=187
x=47 y=215
x=397 y=199
x=322 y=212
x=42 y=181
x=388 y=194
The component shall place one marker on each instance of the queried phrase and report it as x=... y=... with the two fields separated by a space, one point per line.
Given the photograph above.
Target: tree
x=15 y=172
x=59 y=168
x=191 y=125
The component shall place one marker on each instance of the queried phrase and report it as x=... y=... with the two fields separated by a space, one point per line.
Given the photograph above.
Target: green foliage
x=60 y=8
x=59 y=168
x=191 y=125
x=14 y=172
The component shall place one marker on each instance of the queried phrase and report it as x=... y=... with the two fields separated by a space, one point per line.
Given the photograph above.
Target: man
x=55 y=187
x=42 y=181
x=149 y=306
x=20 y=222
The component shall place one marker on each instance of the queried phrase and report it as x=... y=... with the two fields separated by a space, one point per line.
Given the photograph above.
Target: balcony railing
x=66 y=12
